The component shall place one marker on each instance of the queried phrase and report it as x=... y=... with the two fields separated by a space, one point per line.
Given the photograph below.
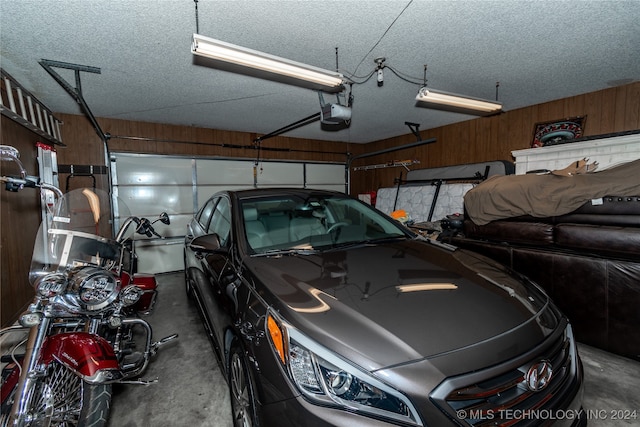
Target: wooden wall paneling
x=596 y=107
x=574 y=107
x=19 y=222
x=608 y=111
x=521 y=123
x=481 y=146
x=503 y=142
x=551 y=111
x=84 y=146
x=489 y=138
x=632 y=107
x=620 y=117
x=174 y=133
x=198 y=150
x=430 y=152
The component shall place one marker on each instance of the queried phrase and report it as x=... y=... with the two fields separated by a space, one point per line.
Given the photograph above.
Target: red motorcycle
x=85 y=330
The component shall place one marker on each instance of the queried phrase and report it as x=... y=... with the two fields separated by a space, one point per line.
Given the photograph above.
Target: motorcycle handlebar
x=15 y=184
x=143 y=226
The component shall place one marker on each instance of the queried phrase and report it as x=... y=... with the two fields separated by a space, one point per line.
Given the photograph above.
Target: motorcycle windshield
x=77 y=231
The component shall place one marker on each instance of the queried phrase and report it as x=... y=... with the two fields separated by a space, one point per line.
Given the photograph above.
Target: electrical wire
x=14 y=358
x=383 y=35
x=406 y=78
x=363 y=79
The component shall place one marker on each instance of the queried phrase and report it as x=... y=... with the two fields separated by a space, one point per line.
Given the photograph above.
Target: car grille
x=506 y=400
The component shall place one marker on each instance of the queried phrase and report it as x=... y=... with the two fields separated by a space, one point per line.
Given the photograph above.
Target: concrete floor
x=192 y=392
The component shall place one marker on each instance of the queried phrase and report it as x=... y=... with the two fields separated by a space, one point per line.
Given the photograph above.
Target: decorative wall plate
x=557 y=132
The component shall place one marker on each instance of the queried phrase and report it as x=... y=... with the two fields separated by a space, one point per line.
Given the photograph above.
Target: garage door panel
x=206 y=191
x=160 y=256
x=278 y=174
x=135 y=170
x=151 y=184
x=323 y=174
x=224 y=172
x=177 y=228
x=149 y=201
x=330 y=187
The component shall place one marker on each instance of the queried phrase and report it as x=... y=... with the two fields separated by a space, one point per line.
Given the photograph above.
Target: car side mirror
x=209 y=243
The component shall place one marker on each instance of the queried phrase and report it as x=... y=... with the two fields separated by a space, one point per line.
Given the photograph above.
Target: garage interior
x=109 y=94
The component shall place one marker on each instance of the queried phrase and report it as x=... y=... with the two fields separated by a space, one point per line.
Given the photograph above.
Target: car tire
x=187 y=282
x=244 y=410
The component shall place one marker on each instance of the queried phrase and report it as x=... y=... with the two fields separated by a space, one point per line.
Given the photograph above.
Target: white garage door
x=151 y=184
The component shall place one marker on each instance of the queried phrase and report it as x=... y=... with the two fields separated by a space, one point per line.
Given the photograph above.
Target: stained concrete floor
x=191 y=391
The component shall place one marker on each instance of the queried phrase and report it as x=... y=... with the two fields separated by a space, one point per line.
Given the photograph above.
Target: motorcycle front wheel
x=62 y=399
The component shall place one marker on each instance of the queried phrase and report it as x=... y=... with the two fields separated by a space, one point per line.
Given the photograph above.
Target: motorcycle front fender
x=90 y=356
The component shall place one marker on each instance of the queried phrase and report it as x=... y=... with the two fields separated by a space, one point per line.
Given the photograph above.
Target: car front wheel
x=243 y=402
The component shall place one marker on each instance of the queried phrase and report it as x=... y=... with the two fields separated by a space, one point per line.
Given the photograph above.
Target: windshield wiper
x=290 y=251
x=435 y=242
x=368 y=242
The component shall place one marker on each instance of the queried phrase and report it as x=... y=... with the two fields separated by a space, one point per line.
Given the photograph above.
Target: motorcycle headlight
x=94 y=288
x=326 y=379
x=51 y=285
x=130 y=295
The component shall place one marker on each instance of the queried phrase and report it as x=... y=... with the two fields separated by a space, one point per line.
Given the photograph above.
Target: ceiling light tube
x=217 y=50
x=439 y=100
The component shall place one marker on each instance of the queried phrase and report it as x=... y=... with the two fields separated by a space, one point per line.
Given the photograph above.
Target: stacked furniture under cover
x=577 y=236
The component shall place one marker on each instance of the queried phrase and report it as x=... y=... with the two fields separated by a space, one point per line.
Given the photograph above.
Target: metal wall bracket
x=392 y=164
x=75 y=92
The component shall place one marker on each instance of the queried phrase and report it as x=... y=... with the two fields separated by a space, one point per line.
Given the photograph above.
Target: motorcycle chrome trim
x=92 y=288
x=135 y=369
x=104 y=376
x=30 y=320
x=20 y=408
x=130 y=295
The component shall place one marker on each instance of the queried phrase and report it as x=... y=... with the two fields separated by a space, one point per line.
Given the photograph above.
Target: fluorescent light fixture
x=426 y=287
x=243 y=60
x=439 y=100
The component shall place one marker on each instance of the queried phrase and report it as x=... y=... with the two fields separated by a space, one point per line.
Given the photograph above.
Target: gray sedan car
x=323 y=311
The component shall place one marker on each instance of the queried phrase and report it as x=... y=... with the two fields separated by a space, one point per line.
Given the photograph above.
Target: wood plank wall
x=84 y=146
x=493 y=138
x=490 y=138
x=19 y=222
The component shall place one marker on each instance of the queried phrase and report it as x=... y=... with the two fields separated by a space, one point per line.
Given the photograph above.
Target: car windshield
x=291 y=223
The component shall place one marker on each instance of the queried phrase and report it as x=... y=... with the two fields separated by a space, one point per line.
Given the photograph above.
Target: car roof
x=281 y=191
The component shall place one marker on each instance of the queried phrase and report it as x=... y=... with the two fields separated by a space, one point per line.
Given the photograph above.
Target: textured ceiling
x=538 y=50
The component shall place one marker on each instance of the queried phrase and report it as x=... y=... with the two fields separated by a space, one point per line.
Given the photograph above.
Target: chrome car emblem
x=539 y=375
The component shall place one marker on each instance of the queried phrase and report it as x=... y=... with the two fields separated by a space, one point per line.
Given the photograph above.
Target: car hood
x=401 y=301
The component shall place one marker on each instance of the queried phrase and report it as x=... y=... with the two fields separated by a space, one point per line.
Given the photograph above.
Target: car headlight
x=93 y=288
x=325 y=378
